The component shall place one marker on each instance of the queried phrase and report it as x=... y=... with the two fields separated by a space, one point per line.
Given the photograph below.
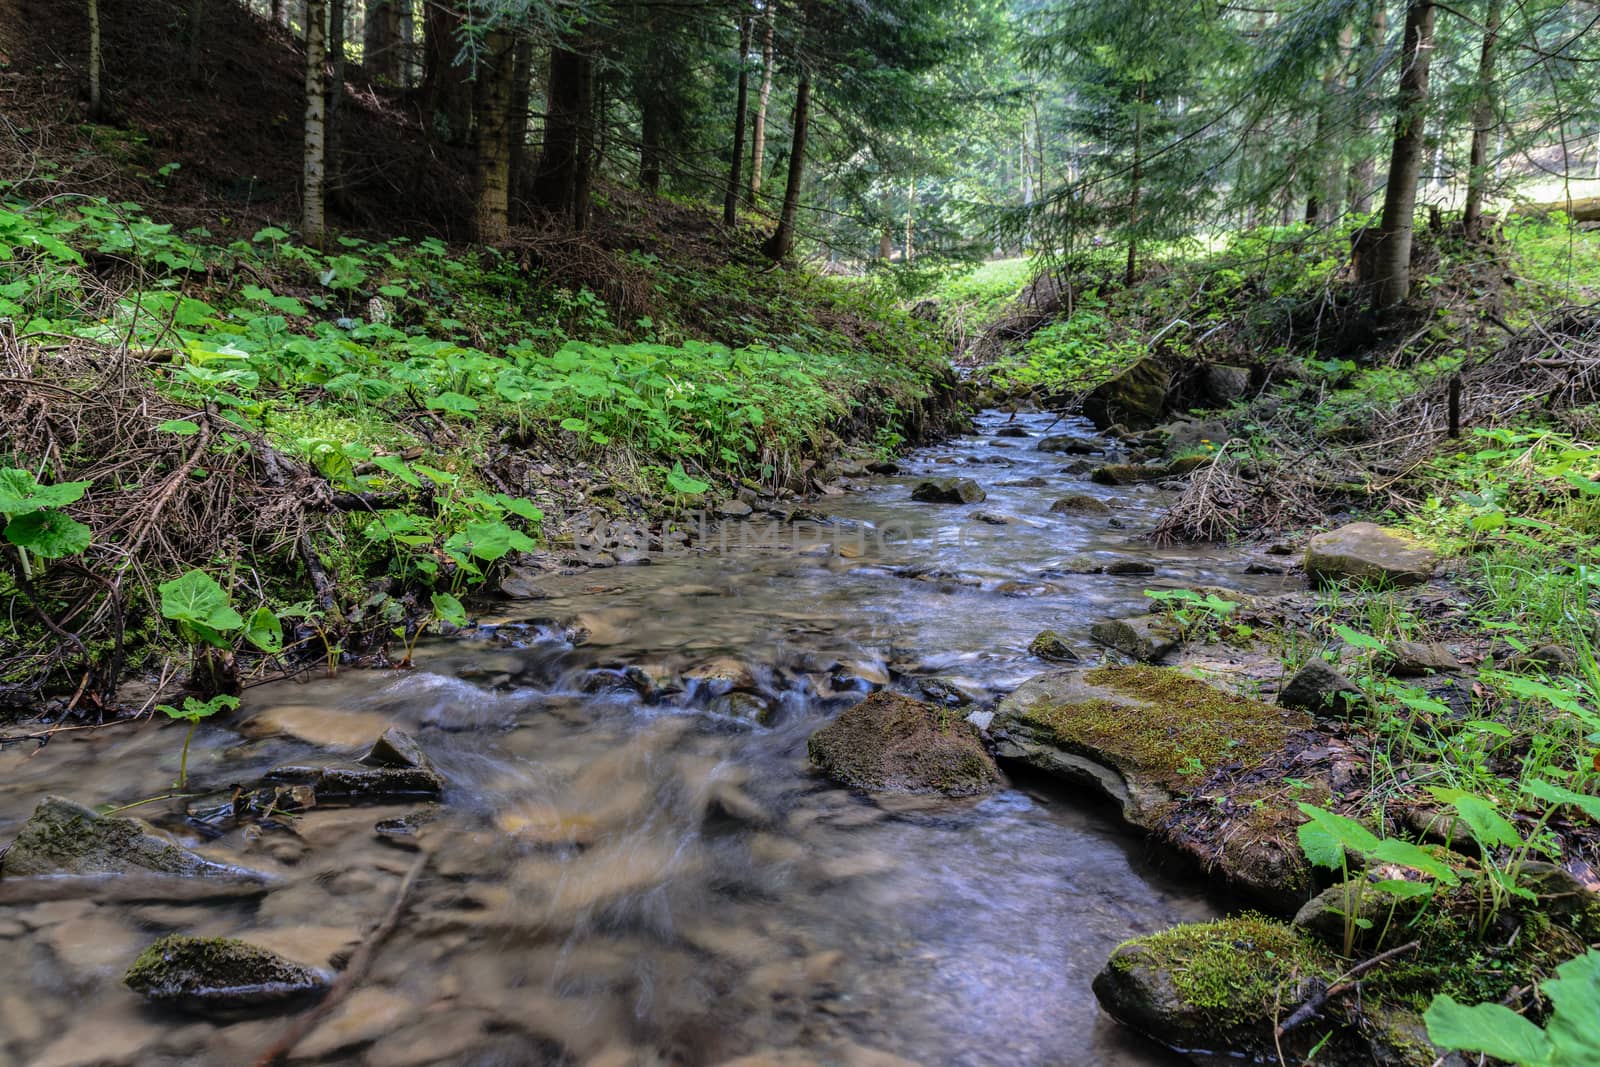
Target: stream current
x=632 y=864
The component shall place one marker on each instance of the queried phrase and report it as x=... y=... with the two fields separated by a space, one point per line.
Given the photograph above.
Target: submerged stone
x=1080 y=504
x=892 y=743
x=363 y=785
x=220 y=976
x=63 y=837
x=948 y=491
x=1049 y=644
x=396 y=748
x=1364 y=551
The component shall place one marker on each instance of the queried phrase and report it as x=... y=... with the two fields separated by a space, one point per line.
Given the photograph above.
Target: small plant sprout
x=195 y=710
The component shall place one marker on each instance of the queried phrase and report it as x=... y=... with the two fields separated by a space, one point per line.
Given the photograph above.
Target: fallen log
x=1583 y=209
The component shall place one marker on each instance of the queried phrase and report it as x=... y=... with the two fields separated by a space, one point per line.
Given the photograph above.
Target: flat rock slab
x=1364 y=551
x=892 y=743
x=66 y=838
x=221 y=977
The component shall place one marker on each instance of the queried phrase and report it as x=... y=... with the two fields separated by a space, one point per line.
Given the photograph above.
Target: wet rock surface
x=892 y=743
x=1365 y=552
x=221 y=977
x=948 y=491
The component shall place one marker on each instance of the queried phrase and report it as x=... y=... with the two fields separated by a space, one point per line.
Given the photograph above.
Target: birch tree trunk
x=1363 y=175
x=96 y=103
x=313 y=227
x=492 y=104
x=758 y=136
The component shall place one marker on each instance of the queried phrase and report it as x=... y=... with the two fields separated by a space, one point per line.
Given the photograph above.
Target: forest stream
x=632 y=862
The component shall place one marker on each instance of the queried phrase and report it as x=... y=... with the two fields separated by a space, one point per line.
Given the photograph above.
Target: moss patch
x=891 y=742
x=1172 y=727
x=220 y=975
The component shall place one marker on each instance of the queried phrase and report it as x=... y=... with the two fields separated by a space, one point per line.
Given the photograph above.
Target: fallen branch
x=1346 y=982
x=359 y=961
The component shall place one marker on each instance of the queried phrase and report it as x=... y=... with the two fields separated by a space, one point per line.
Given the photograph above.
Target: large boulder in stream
x=891 y=743
x=1166 y=747
x=1366 y=552
x=65 y=838
x=1134 y=399
x=221 y=977
x=948 y=491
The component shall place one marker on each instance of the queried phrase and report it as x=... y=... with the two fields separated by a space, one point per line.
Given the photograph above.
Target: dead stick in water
x=1342 y=985
x=359 y=961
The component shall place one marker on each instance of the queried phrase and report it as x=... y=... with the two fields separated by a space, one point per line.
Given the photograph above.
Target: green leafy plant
x=33 y=519
x=1570 y=1038
x=193 y=711
x=1199 y=616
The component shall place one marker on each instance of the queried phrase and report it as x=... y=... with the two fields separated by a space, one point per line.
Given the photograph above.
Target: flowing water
x=632 y=864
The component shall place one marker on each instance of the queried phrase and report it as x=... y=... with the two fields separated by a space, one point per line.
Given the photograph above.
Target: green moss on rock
x=893 y=743
x=63 y=837
x=220 y=976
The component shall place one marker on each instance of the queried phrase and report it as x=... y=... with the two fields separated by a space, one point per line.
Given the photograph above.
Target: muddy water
x=632 y=865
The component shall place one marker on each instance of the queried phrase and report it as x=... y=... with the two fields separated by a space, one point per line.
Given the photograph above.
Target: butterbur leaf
x=1556 y=794
x=50 y=534
x=1392 y=850
x=181 y=427
x=522 y=508
x=680 y=481
x=1491 y=1028
x=453 y=403
x=449 y=609
x=265 y=631
x=1346 y=831
x=20 y=493
x=397 y=467
x=1489 y=828
x=1357 y=639
x=195 y=599
x=1574 y=1029
x=1320 y=847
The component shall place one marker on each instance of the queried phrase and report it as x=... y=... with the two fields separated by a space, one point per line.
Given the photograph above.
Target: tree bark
x=1364 y=173
x=781 y=243
x=336 y=63
x=1392 y=281
x=276 y=13
x=758 y=136
x=313 y=227
x=730 y=202
x=650 y=123
x=96 y=102
x=196 y=22
x=1136 y=178
x=1483 y=124
x=521 y=91
x=446 y=89
x=583 y=165
x=492 y=107
x=911 y=214
x=556 y=179
x=380 y=53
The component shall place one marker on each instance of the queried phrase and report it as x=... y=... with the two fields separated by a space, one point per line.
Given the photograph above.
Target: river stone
x=1323 y=916
x=363 y=785
x=1134 y=399
x=1126 y=474
x=1219 y=986
x=1136 y=734
x=1080 y=504
x=66 y=838
x=1147 y=638
x=1068 y=445
x=892 y=743
x=1364 y=551
x=396 y=748
x=1012 y=431
x=948 y=491
x=1320 y=689
x=221 y=977
x=1224 y=384
x=1049 y=644
x=1412 y=658
x=322 y=726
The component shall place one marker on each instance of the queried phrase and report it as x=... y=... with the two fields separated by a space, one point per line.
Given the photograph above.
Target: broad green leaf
x=181 y=427
x=1489 y=828
x=1393 y=850
x=49 y=533
x=453 y=403
x=1491 y=1028
x=20 y=493
x=1574 y=1029
x=449 y=609
x=1358 y=639
x=264 y=630
x=194 y=598
x=396 y=466
x=680 y=481
x=1556 y=794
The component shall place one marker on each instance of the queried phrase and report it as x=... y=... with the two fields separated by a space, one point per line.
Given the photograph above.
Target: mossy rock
x=363 y=785
x=1216 y=986
x=1143 y=736
x=1126 y=474
x=891 y=743
x=221 y=977
x=66 y=838
x=1146 y=638
x=948 y=491
x=1135 y=398
x=1080 y=504
x=1051 y=645
x=1365 y=552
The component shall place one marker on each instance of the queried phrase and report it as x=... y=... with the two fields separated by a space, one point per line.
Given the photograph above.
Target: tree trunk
x=1392 y=283
x=758 y=136
x=196 y=21
x=730 y=202
x=911 y=214
x=781 y=243
x=1483 y=123
x=336 y=62
x=492 y=112
x=380 y=53
x=446 y=88
x=1135 y=178
x=1364 y=173
x=312 y=225
x=650 y=122
x=277 y=14
x=521 y=91
x=556 y=180
x=583 y=165
x=96 y=103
